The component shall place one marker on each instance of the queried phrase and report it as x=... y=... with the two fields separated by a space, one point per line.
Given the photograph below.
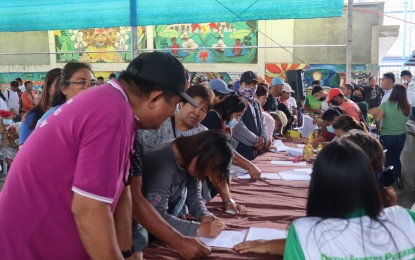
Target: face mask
x=330 y=129
x=7 y=121
x=232 y=123
x=356 y=99
x=322 y=99
x=247 y=93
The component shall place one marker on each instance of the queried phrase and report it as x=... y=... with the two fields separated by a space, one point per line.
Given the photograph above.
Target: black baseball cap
x=164 y=70
x=248 y=77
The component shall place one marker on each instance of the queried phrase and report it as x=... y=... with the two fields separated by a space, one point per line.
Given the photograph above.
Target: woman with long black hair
x=345 y=216
x=173 y=187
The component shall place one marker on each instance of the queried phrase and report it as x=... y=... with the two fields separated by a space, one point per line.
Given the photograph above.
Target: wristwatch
x=127 y=253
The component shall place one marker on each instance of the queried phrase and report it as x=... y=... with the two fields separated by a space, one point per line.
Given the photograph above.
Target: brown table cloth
x=270 y=204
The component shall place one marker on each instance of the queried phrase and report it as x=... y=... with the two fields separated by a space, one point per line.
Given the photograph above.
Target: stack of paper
x=226 y=239
x=265 y=234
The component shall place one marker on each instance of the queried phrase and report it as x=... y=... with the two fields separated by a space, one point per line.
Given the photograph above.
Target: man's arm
x=145 y=213
x=96 y=228
x=123 y=220
x=310 y=110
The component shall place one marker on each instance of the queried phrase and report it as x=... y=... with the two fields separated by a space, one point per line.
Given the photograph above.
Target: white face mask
x=232 y=123
x=7 y=121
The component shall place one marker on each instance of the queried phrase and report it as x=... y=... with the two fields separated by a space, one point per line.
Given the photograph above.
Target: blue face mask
x=7 y=121
x=232 y=123
x=330 y=129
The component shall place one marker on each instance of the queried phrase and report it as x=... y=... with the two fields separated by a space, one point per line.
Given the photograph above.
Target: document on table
x=288 y=163
x=281 y=147
x=295 y=176
x=265 y=234
x=295 y=152
x=226 y=239
x=236 y=171
x=308 y=170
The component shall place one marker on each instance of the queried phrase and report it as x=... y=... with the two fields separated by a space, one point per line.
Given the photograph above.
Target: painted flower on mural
x=78 y=38
x=220 y=45
x=84 y=58
x=123 y=36
x=204 y=55
x=191 y=45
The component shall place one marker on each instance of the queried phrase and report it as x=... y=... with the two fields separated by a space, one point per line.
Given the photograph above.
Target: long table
x=270 y=204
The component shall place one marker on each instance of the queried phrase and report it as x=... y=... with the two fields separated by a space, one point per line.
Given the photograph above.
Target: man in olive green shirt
x=312 y=104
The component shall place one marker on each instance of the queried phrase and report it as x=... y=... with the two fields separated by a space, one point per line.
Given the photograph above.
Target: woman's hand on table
x=210 y=226
x=191 y=248
x=254 y=172
x=273 y=247
x=232 y=208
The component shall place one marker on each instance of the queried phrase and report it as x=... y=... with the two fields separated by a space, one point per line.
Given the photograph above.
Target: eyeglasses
x=83 y=84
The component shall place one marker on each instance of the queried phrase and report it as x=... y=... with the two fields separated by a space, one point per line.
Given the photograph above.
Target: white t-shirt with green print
x=353 y=238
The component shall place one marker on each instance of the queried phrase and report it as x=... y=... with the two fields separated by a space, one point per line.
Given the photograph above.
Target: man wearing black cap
x=252 y=117
x=90 y=147
x=156 y=68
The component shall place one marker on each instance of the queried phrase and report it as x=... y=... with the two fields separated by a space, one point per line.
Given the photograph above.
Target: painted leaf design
x=239 y=34
x=169 y=33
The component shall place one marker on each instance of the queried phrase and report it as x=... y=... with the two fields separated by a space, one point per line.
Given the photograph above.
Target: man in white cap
x=289 y=101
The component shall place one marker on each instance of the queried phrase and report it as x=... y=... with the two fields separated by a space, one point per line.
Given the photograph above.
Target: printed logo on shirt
x=153 y=198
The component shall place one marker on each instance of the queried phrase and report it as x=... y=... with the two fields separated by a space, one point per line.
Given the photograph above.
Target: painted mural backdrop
x=330 y=75
x=100 y=45
x=226 y=39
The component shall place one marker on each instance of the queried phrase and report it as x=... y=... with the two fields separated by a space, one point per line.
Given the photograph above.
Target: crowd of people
x=101 y=169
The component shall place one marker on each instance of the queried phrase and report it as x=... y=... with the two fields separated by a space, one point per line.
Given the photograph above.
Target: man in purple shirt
x=65 y=196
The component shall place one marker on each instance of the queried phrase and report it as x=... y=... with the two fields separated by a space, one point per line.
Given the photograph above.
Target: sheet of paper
x=226 y=239
x=278 y=143
x=308 y=170
x=236 y=171
x=265 y=234
x=280 y=146
x=295 y=152
x=295 y=176
x=288 y=163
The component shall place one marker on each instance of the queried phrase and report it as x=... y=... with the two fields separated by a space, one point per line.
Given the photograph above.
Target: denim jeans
x=394 y=145
x=140 y=237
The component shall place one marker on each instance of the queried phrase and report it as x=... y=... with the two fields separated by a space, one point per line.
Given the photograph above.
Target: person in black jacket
x=252 y=117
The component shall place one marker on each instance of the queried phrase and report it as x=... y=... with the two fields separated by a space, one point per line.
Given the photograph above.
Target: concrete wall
x=278 y=33
x=24 y=42
x=333 y=31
